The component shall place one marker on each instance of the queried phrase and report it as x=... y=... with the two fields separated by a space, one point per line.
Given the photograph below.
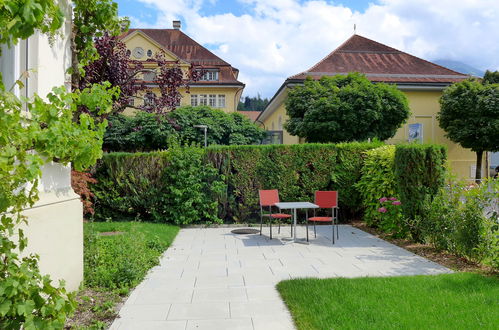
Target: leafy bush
x=80 y=183
x=120 y=261
x=191 y=188
x=146 y=131
x=464 y=220
x=175 y=186
x=420 y=173
x=377 y=181
x=392 y=220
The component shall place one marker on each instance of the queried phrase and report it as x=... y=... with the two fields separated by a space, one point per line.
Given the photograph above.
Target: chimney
x=176 y=25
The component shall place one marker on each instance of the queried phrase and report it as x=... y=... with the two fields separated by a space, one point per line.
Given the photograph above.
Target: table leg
x=294 y=225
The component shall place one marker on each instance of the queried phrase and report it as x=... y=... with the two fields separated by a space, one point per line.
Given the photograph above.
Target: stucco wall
x=55 y=223
x=55 y=227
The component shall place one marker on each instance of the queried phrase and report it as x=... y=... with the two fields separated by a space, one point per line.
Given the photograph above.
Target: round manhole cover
x=245 y=231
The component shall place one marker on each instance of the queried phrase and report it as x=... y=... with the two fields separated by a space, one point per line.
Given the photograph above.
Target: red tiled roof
x=192 y=52
x=379 y=63
x=252 y=115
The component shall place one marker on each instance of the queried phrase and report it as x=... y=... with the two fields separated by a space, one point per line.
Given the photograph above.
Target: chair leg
x=279 y=230
x=306 y=226
x=315 y=231
x=261 y=224
x=337 y=228
x=270 y=228
x=332 y=230
x=291 y=228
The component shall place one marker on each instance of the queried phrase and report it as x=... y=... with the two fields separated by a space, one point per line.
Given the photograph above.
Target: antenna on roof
x=354 y=28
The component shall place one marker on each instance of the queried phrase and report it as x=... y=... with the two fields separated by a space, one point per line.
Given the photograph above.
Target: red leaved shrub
x=80 y=182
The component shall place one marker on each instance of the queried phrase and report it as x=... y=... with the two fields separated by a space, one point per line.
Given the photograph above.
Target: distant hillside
x=460 y=67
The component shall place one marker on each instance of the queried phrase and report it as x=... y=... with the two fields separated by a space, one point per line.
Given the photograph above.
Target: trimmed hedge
x=420 y=173
x=132 y=185
x=166 y=186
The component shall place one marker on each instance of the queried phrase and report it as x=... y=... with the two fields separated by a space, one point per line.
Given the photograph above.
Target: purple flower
x=383 y=199
x=393 y=198
x=396 y=203
x=382 y=210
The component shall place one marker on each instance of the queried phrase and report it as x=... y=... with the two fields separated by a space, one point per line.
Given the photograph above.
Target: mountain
x=460 y=67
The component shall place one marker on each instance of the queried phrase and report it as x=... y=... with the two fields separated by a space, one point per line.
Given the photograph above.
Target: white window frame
x=203 y=99
x=210 y=75
x=194 y=100
x=212 y=100
x=221 y=101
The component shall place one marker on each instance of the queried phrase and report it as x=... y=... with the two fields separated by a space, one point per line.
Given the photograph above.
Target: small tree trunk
x=478 y=172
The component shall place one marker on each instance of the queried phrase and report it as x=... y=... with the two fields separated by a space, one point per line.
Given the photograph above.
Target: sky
x=270 y=40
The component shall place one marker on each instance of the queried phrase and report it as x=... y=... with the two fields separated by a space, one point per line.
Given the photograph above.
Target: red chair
x=326 y=200
x=268 y=198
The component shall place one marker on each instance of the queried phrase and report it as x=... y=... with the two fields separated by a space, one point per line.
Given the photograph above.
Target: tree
x=491 y=77
x=253 y=103
x=113 y=64
x=91 y=19
x=345 y=108
x=146 y=132
x=469 y=114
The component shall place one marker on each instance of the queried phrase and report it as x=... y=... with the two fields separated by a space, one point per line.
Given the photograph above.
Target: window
x=210 y=75
x=149 y=53
x=273 y=137
x=194 y=100
x=149 y=76
x=203 y=99
x=149 y=99
x=213 y=100
x=221 y=101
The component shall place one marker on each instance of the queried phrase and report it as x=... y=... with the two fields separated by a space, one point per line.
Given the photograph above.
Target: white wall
x=55 y=223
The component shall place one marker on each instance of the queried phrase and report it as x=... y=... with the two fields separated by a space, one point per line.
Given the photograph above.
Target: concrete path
x=213 y=279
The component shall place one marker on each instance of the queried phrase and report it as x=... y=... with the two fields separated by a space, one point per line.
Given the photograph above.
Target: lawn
x=449 y=301
x=117 y=256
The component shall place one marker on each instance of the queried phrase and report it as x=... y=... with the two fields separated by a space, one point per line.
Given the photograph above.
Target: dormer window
x=210 y=75
x=149 y=53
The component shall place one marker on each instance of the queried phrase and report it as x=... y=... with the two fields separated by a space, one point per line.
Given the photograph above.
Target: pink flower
x=382 y=210
x=396 y=203
x=393 y=198
x=382 y=200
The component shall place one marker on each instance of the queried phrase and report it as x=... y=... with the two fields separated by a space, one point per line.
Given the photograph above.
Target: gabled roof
x=379 y=63
x=182 y=45
x=188 y=50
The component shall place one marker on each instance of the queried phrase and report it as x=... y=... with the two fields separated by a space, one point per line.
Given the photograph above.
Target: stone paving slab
x=212 y=279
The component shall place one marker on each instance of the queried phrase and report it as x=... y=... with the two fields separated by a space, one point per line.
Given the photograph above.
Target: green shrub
x=191 y=188
x=378 y=181
x=419 y=173
x=147 y=132
x=129 y=185
x=464 y=220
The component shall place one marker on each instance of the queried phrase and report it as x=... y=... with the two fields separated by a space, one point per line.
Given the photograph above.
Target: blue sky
x=270 y=40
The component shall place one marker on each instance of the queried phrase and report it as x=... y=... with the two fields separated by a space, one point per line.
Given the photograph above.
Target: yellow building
x=218 y=87
x=420 y=80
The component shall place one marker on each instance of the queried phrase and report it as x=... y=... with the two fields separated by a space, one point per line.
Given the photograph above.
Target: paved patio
x=213 y=279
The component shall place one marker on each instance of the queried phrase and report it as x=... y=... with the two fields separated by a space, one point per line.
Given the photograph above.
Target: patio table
x=294 y=206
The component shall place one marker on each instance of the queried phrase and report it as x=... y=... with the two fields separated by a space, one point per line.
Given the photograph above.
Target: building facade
x=219 y=86
x=421 y=81
x=54 y=226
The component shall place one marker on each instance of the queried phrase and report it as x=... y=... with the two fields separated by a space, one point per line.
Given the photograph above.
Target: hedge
x=132 y=185
x=165 y=186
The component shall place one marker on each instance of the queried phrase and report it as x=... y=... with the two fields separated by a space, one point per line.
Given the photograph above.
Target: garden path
x=212 y=279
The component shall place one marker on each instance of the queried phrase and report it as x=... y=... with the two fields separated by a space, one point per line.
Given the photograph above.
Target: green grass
x=449 y=301
x=121 y=261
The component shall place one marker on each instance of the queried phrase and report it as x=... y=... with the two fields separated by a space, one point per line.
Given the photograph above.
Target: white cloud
x=279 y=38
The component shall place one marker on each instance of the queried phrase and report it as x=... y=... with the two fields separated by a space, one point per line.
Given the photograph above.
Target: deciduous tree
x=469 y=115
x=345 y=108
